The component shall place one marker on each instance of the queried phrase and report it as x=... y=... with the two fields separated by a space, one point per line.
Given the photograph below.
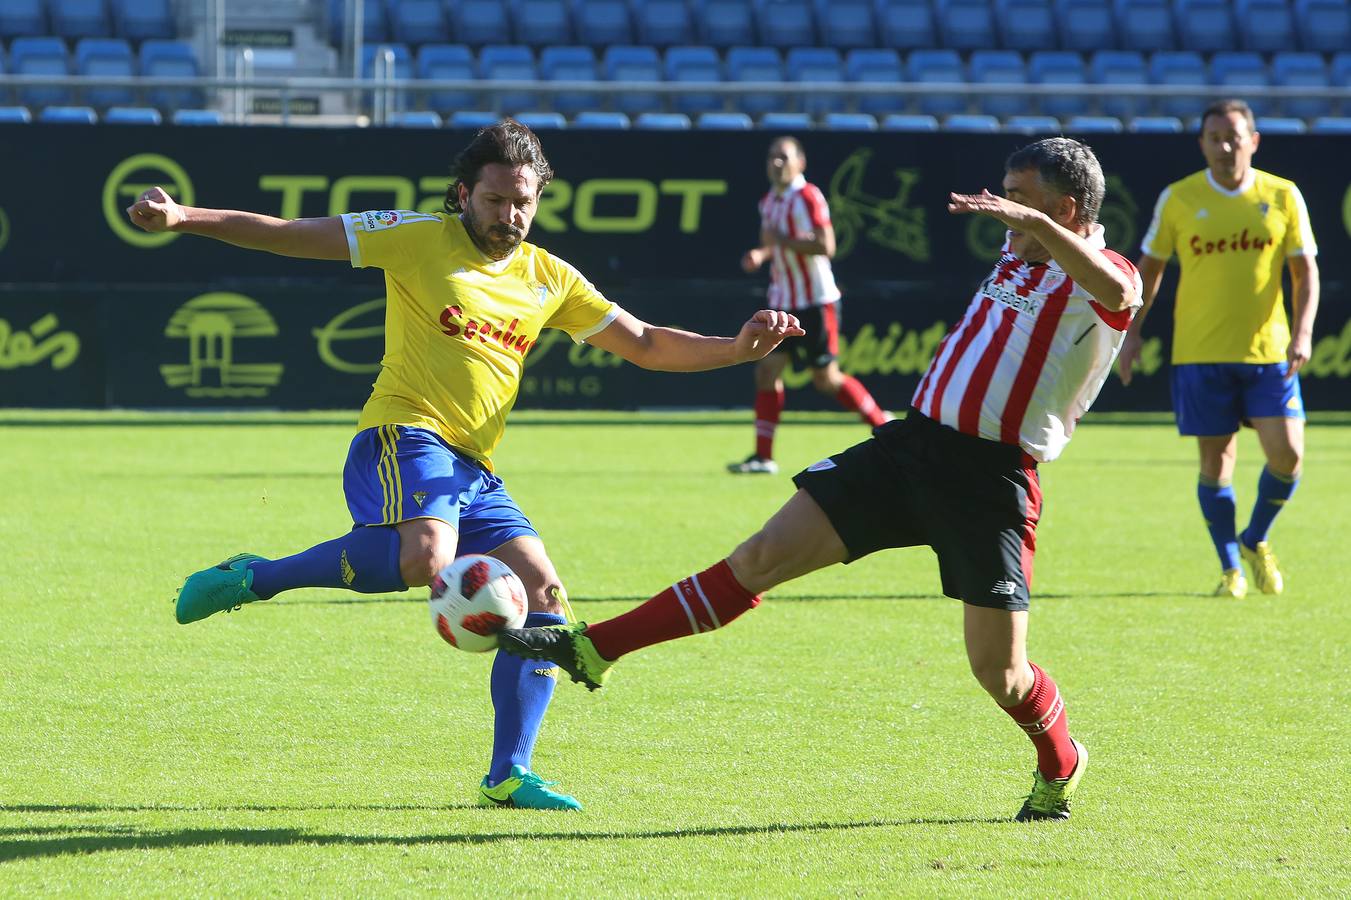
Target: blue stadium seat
x=1119 y=67
x=403 y=59
x=817 y=65
x=937 y=67
x=74 y=19
x=1340 y=71
x=22 y=18
x=170 y=59
x=726 y=23
x=1324 y=25
x=1085 y=25
x=847 y=121
x=603 y=23
x=1179 y=68
x=756 y=64
x=570 y=64
x=1156 y=125
x=542 y=121
x=1331 y=125
x=975 y=122
x=724 y=121
x=1239 y=70
x=542 y=23
x=414 y=118
x=416 y=22
x=132 y=115
x=664 y=23
x=786 y=121
x=1280 y=125
x=473 y=119
x=106 y=57
x=447 y=62
x=374 y=29
x=1205 y=25
x=633 y=65
x=1265 y=25
x=1026 y=24
x=906 y=24
x=999 y=67
x=655 y=121
x=875 y=67
x=479 y=22
x=694 y=65
x=68 y=115
x=786 y=23
x=1059 y=67
x=600 y=119
x=509 y=62
x=15 y=115
x=846 y=24
x=1032 y=125
x=1301 y=70
x=1093 y=125
x=137 y=20
x=909 y=122
x=197 y=117
x=1145 y=25
x=40 y=56
x=967 y=25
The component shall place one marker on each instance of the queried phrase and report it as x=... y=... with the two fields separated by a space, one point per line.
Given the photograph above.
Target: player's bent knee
x=552 y=598
x=1000 y=679
x=417 y=567
x=757 y=563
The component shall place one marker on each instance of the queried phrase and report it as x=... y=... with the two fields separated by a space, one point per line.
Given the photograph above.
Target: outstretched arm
x=673 y=350
x=305 y=238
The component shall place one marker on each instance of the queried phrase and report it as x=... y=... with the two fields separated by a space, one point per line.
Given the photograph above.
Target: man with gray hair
x=958 y=474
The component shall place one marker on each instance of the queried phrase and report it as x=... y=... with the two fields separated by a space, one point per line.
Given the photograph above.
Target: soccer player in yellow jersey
x=467 y=299
x=1235 y=357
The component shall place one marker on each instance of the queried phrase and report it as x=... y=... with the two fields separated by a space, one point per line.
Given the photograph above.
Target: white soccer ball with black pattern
x=473 y=599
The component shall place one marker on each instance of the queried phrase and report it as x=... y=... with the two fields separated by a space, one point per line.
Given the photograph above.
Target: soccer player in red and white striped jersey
x=797 y=240
x=958 y=474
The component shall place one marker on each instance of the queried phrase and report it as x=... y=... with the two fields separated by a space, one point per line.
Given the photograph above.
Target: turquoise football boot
x=217 y=589
x=524 y=789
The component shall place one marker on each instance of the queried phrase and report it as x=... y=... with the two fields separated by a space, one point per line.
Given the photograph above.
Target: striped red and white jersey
x=1029 y=356
x=797 y=280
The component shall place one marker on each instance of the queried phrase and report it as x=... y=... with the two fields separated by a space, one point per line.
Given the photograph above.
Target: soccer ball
x=473 y=599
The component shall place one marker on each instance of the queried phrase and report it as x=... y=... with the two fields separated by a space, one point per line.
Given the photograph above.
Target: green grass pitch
x=832 y=743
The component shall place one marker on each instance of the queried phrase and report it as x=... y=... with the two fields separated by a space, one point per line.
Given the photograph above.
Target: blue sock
x=1217 y=505
x=520 y=697
x=365 y=560
x=1272 y=492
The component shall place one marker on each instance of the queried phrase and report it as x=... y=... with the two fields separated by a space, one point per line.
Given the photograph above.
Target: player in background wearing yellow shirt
x=1235 y=358
x=467 y=299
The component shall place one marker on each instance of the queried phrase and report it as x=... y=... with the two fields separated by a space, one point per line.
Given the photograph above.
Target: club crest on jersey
x=378 y=220
x=1264 y=208
x=821 y=466
x=541 y=291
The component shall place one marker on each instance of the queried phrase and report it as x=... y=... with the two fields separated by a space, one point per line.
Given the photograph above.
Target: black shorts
x=821 y=344
x=916 y=482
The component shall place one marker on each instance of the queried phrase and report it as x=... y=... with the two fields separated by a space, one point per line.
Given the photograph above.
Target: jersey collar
x=1248 y=178
x=794 y=185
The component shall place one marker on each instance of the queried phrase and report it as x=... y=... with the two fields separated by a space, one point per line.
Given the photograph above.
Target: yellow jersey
x=458 y=325
x=1232 y=246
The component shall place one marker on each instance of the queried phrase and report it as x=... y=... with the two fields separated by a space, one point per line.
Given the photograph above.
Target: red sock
x=1042 y=716
x=701 y=602
x=853 y=395
x=768 y=407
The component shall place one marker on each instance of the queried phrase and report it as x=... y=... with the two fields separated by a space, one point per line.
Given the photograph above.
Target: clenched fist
x=156 y=211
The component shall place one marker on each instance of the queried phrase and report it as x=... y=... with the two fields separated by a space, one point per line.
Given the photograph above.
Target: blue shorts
x=395 y=473
x=1212 y=399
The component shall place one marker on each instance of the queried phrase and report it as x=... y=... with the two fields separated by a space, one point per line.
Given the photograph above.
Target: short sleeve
x=389 y=239
x=1161 y=238
x=1299 y=237
x=584 y=310
x=818 y=211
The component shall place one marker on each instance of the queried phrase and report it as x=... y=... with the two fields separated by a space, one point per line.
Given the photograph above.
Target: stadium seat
x=1156 y=125
x=603 y=23
x=416 y=22
x=1059 y=67
x=1145 y=25
x=1340 y=76
x=633 y=65
x=1304 y=70
x=1085 y=25
x=726 y=23
x=937 y=67
x=473 y=119
x=137 y=20
x=109 y=58
x=655 y=121
x=599 y=119
x=846 y=24
x=1324 y=25
x=14 y=115
x=1093 y=125
x=197 y=117
x=479 y=23
x=542 y=120
x=374 y=24
x=22 y=18
x=447 y=62
x=756 y=64
x=724 y=121
x=817 y=65
x=68 y=115
x=1280 y=125
x=909 y=122
x=1205 y=25
x=542 y=23
x=1119 y=67
x=846 y=121
x=1032 y=125
x=1240 y=70
x=875 y=67
x=999 y=67
x=75 y=19
x=971 y=122
x=906 y=24
x=1265 y=25
x=414 y=118
x=694 y=65
x=1026 y=24
x=509 y=62
x=786 y=23
x=170 y=59
x=132 y=115
x=1180 y=68
x=786 y=121
x=40 y=56
x=664 y=23
x=1331 y=125
x=570 y=64
x=967 y=25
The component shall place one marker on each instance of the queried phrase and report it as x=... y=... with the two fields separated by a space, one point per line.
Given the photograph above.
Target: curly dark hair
x=1068 y=167
x=508 y=142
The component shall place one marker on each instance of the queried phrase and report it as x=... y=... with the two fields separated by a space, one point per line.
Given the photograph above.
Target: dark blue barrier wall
x=94 y=312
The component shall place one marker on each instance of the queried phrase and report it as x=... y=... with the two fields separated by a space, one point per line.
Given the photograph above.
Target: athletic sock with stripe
x=1042 y=717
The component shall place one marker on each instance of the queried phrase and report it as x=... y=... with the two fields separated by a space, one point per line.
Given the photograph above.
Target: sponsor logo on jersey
x=1235 y=243
x=377 y=220
x=452 y=325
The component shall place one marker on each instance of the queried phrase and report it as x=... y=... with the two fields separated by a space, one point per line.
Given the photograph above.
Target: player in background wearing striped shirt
x=1235 y=357
x=959 y=473
x=797 y=240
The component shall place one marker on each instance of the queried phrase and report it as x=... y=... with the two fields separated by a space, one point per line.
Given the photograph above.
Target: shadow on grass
x=808 y=598
x=115 y=838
